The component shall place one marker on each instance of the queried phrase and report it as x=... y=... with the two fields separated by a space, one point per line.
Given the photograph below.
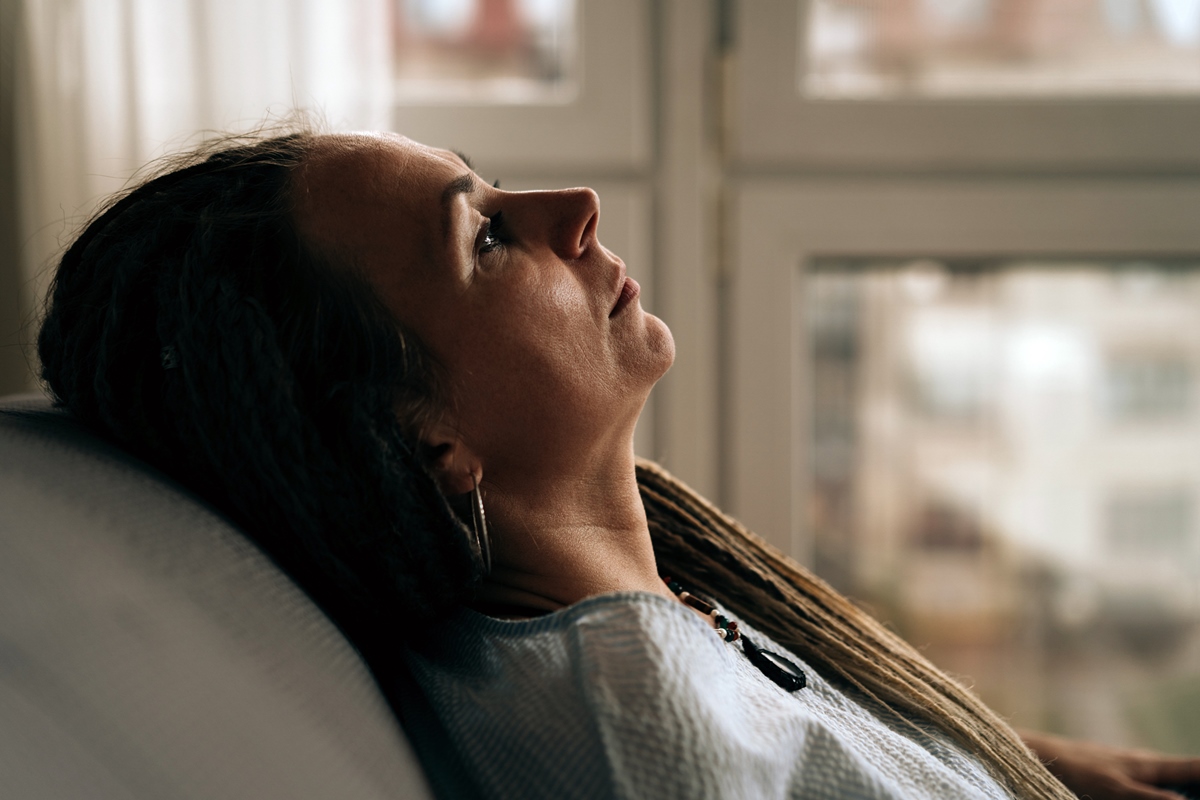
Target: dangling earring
x=479 y=526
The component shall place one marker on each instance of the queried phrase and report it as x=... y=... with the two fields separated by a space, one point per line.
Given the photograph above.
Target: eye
x=492 y=234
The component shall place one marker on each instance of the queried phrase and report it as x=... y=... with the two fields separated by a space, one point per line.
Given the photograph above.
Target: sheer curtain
x=104 y=86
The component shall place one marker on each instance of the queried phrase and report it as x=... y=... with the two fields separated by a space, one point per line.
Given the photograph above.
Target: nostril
x=577 y=213
x=589 y=231
x=590 y=209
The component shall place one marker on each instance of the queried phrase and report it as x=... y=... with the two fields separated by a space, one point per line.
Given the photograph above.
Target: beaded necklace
x=783 y=672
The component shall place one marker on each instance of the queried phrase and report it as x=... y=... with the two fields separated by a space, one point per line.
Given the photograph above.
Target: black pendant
x=782 y=672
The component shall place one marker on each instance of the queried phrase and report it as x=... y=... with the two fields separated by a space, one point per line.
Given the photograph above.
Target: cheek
x=540 y=325
x=544 y=348
x=563 y=302
x=542 y=362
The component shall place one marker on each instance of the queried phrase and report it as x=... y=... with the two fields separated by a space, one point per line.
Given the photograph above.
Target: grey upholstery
x=148 y=650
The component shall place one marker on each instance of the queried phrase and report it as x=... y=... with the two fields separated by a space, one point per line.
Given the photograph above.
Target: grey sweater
x=632 y=695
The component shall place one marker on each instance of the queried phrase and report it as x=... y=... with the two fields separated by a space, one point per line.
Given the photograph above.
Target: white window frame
x=781 y=225
x=607 y=125
x=772 y=124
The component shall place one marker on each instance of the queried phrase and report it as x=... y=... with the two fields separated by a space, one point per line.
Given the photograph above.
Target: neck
x=564 y=536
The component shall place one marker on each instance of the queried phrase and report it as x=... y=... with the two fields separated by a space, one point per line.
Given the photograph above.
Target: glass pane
x=1006 y=466
x=498 y=51
x=990 y=48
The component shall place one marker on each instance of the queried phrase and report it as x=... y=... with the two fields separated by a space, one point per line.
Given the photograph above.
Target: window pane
x=501 y=51
x=1006 y=465
x=989 y=48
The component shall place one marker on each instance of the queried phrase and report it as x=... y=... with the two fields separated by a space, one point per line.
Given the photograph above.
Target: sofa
x=149 y=650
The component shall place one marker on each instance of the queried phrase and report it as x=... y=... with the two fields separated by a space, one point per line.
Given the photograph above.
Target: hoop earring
x=479 y=527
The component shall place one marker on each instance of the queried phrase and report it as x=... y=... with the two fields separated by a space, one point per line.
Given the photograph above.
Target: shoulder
x=648 y=646
x=604 y=698
x=623 y=656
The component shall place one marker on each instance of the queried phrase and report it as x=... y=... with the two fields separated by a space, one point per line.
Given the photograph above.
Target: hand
x=1112 y=773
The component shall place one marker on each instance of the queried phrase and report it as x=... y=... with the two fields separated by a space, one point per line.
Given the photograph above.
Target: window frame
x=781 y=225
x=606 y=125
x=773 y=124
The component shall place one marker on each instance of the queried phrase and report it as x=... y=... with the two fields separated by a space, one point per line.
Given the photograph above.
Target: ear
x=455 y=466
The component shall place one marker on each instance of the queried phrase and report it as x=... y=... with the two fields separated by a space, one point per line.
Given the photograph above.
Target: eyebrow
x=463 y=184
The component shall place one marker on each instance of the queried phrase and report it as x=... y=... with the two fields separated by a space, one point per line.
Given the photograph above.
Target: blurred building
x=1005 y=456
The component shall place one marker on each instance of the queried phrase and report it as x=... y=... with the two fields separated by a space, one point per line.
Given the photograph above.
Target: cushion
x=149 y=650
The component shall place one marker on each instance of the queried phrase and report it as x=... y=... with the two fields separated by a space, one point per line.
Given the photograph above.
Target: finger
x=1131 y=790
x=1170 y=770
x=1144 y=792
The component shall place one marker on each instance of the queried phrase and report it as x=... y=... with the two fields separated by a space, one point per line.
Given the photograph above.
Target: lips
x=629 y=292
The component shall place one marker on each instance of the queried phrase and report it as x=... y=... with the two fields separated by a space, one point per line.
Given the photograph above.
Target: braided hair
x=190 y=323
x=715 y=555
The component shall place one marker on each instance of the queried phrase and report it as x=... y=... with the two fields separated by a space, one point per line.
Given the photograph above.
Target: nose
x=576 y=216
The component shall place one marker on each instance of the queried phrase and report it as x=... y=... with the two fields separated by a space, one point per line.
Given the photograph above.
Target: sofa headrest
x=148 y=649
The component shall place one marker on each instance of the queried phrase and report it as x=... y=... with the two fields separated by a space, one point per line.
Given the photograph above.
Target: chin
x=646 y=354
x=662 y=344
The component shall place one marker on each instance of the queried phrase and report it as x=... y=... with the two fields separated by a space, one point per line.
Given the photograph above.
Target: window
x=993 y=48
x=1057 y=85
x=527 y=86
x=1150 y=524
x=962 y=328
x=502 y=51
x=1149 y=387
x=963 y=468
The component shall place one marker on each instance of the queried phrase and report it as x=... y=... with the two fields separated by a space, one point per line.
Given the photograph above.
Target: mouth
x=629 y=292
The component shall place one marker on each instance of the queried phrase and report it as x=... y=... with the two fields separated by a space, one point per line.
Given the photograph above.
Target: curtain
x=104 y=86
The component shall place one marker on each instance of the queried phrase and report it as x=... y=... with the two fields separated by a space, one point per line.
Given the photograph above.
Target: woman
x=338 y=338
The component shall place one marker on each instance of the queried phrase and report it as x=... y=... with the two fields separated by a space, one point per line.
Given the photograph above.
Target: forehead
x=382 y=155
x=352 y=189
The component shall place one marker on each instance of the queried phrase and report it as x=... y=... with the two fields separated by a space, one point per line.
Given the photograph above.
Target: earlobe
x=454 y=464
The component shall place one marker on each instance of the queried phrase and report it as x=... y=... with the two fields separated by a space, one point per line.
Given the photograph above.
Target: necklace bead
x=783 y=672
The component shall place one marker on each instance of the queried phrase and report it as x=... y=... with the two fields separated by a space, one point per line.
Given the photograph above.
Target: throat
x=558 y=540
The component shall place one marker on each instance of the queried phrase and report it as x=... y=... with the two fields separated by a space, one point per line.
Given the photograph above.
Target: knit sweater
x=632 y=695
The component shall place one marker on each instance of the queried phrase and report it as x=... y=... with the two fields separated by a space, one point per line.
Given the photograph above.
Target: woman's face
x=544 y=342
